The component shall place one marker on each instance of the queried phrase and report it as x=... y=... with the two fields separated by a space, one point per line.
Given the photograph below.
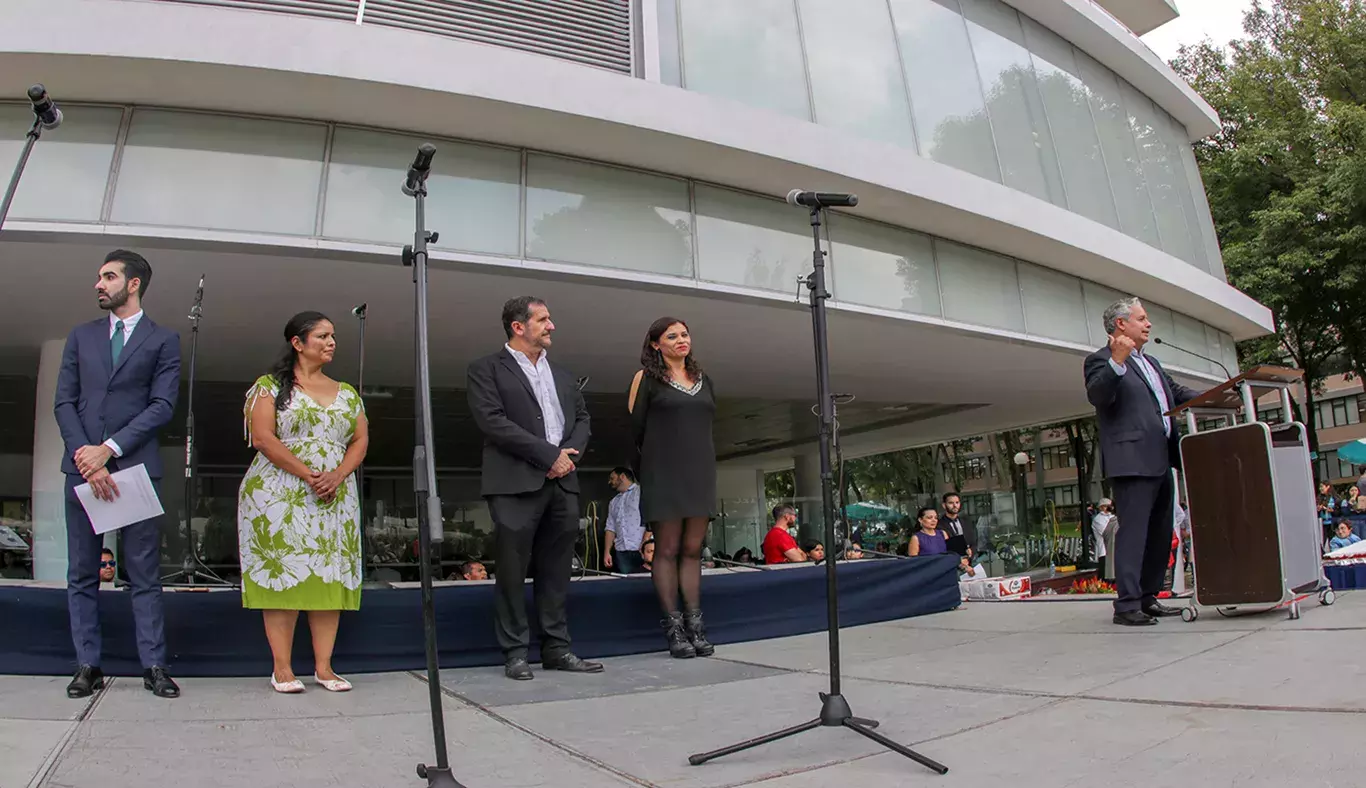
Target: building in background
x=1019 y=166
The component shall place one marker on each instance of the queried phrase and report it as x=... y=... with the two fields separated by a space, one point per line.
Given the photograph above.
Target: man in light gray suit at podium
x=1138 y=450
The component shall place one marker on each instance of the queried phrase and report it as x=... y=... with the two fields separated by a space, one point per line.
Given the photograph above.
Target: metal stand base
x=835 y=712
x=438 y=777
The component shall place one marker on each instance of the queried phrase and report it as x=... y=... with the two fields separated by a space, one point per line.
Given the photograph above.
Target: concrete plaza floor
x=1039 y=693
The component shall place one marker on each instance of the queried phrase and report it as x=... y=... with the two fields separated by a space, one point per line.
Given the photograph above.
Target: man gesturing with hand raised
x=535 y=427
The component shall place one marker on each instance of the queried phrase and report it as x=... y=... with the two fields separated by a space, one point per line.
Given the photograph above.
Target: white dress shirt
x=1154 y=384
x=129 y=323
x=543 y=384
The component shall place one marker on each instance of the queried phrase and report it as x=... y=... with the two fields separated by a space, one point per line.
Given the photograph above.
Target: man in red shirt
x=779 y=546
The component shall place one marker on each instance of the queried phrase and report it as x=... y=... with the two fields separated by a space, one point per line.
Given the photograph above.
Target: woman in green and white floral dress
x=298 y=515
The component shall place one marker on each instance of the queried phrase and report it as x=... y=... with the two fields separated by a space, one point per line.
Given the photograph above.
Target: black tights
x=678 y=562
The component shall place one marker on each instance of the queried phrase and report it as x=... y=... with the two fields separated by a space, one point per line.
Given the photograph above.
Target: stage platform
x=1028 y=694
x=209 y=634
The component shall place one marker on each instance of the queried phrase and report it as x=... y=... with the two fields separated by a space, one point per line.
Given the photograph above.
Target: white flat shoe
x=338 y=684
x=286 y=687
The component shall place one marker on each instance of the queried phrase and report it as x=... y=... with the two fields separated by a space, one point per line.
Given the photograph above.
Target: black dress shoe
x=159 y=683
x=1157 y=609
x=569 y=662
x=88 y=678
x=1134 y=618
x=518 y=669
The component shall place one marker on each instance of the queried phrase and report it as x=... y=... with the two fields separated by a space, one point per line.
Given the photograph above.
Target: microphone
x=581 y=382
x=359 y=311
x=197 y=311
x=421 y=167
x=48 y=114
x=821 y=199
x=199 y=294
x=1161 y=341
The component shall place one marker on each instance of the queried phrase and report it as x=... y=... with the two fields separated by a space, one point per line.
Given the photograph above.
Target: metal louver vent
x=325 y=9
x=592 y=32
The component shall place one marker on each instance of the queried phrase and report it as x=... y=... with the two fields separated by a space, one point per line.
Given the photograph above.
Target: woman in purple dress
x=929 y=540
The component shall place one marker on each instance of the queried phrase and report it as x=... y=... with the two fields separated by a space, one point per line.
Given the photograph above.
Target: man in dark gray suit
x=535 y=425
x=117 y=387
x=1138 y=449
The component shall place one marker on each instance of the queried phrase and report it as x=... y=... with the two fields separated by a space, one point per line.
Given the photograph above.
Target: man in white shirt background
x=625 y=531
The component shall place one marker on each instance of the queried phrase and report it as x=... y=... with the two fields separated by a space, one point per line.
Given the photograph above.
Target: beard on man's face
x=114 y=300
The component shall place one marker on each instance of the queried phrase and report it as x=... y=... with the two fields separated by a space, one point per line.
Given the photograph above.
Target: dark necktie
x=116 y=341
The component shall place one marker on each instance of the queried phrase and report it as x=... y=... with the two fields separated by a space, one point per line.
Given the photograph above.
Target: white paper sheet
x=137 y=501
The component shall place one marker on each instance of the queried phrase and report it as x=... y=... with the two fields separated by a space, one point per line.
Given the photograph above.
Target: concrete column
x=49 y=483
x=741 y=521
x=807 y=483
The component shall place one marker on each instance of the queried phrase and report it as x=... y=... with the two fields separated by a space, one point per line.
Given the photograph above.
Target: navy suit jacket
x=129 y=402
x=1133 y=441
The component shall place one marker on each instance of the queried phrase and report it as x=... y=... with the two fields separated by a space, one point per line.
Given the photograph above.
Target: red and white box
x=996 y=589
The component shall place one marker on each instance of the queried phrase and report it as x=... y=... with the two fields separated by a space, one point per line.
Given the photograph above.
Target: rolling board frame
x=1255 y=543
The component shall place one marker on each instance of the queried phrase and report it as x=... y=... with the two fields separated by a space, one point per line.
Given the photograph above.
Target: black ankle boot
x=679 y=645
x=697 y=633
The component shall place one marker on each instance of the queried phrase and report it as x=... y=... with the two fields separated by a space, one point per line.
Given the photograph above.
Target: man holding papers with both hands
x=119 y=380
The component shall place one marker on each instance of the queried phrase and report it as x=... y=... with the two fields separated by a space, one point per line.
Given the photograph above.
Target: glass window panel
x=1189 y=333
x=750 y=241
x=1230 y=357
x=1215 y=350
x=1173 y=140
x=856 y=78
x=1158 y=173
x=1098 y=299
x=474 y=199
x=1204 y=219
x=883 y=266
x=979 y=287
x=1074 y=130
x=1023 y=139
x=69 y=167
x=588 y=213
x=670 y=71
x=1161 y=318
x=946 y=98
x=1121 y=155
x=1053 y=304
x=190 y=170
x=750 y=52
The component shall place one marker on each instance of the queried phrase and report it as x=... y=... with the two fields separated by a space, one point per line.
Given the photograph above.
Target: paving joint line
x=59 y=751
x=517 y=726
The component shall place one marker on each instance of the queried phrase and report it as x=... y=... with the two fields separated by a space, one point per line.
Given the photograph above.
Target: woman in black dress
x=672 y=407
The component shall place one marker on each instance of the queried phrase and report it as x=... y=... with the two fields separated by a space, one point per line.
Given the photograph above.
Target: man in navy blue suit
x=117 y=388
x=1138 y=449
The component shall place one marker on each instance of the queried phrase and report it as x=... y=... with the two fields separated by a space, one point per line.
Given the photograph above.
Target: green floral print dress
x=298 y=552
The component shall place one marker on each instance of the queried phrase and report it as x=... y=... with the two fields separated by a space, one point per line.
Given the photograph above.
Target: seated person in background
x=107 y=565
x=815 y=551
x=854 y=552
x=885 y=547
x=1345 y=537
x=779 y=546
x=929 y=540
x=647 y=556
x=470 y=570
x=743 y=556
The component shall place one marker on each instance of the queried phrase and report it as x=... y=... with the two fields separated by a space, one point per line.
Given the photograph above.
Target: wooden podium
x=1255 y=534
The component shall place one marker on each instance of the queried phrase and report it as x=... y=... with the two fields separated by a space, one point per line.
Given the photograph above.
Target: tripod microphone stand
x=835 y=711
x=359 y=312
x=429 y=523
x=192 y=567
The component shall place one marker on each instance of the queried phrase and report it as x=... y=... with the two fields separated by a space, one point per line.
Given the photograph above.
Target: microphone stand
x=1161 y=341
x=429 y=522
x=192 y=567
x=37 y=95
x=359 y=312
x=583 y=570
x=835 y=711
x=741 y=564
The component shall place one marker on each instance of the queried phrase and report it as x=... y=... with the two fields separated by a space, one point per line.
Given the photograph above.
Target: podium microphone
x=1161 y=341
x=43 y=107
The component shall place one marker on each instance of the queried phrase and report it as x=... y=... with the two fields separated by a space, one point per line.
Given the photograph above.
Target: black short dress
x=676 y=461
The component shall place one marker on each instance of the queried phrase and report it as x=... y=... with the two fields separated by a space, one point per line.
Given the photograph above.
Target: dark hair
x=622 y=470
x=518 y=310
x=107 y=551
x=301 y=325
x=950 y=494
x=743 y=555
x=810 y=544
x=135 y=266
x=467 y=566
x=782 y=510
x=919 y=513
x=653 y=360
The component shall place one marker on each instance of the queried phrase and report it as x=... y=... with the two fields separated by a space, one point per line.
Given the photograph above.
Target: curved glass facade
x=972 y=84
x=290 y=178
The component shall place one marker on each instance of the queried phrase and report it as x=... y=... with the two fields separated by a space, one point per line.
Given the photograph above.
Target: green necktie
x=116 y=341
